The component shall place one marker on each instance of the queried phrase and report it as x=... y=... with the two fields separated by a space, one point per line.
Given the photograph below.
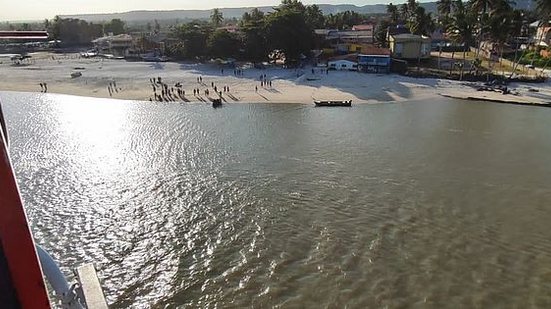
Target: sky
x=41 y=9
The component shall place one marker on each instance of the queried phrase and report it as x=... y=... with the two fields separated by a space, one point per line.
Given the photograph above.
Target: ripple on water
x=284 y=205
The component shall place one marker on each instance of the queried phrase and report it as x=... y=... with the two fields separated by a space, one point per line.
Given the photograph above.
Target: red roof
x=23 y=35
x=375 y=51
x=362 y=27
x=349 y=57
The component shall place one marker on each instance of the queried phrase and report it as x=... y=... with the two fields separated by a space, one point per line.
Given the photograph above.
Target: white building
x=342 y=64
x=119 y=45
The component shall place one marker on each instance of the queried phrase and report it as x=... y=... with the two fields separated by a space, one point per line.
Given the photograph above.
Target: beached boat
x=216 y=102
x=76 y=74
x=333 y=103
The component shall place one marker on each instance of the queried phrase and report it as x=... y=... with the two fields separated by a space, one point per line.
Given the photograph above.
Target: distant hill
x=141 y=16
x=137 y=16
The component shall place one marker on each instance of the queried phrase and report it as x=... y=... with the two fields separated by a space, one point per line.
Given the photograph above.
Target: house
x=156 y=42
x=350 y=36
x=118 y=45
x=543 y=35
x=364 y=27
x=410 y=46
x=230 y=28
x=374 y=60
x=439 y=40
x=334 y=36
x=345 y=62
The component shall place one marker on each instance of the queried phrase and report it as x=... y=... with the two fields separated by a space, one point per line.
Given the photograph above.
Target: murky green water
x=419 y=204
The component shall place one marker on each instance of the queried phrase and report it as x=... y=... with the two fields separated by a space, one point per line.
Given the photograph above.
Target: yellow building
x=409 y=46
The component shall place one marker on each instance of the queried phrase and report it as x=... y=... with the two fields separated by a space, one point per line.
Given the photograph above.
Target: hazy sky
x=40 y=9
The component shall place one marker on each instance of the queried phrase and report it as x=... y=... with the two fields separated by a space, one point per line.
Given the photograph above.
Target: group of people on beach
x=166 y=93
x=264 y=82
x=43 y=87
x=112 y=87
x=176 y=93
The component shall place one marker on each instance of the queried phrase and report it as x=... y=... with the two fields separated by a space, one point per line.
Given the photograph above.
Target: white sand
x=133 y=79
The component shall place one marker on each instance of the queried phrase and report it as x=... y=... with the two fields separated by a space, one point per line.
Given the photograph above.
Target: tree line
x=289 y=29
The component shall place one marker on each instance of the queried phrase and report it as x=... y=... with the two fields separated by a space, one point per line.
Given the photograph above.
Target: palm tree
x=393 y=11
x=404 y=12
x=420 y=22
x=444 y=7
x=444 y=11
x=544 y=9
x=461 y=29
x=216 y=17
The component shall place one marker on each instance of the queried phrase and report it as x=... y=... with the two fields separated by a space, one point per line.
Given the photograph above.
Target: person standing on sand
x=45 y=87
x=41 y=87
x=255 y=88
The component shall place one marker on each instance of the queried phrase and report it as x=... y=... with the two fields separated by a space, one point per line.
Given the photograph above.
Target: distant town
x=461 y=40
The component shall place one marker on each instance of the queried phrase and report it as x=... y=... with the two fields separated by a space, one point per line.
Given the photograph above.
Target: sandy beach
x=288 y=85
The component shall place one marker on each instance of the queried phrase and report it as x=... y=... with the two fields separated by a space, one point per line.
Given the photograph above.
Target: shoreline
x=133 y=82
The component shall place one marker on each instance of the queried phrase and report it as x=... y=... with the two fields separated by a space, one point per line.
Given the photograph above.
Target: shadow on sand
x=367 y=86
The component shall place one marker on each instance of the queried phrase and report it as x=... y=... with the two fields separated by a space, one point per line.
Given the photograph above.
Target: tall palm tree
x=393 y=11
x=444 y=7
x=444 y=10
x=404 y=12
x=461 y=29
x=544 y=9
x=216 y=17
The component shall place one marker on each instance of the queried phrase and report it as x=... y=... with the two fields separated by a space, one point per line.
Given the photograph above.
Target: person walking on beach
x=41 y=87
x=45 y=87
x=255 y=88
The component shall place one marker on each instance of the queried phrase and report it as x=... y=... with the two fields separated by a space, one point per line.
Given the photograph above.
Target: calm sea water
x=441 y=204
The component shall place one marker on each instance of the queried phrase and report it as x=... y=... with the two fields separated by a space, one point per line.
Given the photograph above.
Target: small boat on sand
x=333 y=103
x=76 y=74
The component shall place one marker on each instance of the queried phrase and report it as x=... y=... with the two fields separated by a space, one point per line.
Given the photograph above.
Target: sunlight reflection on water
x=260 y=205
